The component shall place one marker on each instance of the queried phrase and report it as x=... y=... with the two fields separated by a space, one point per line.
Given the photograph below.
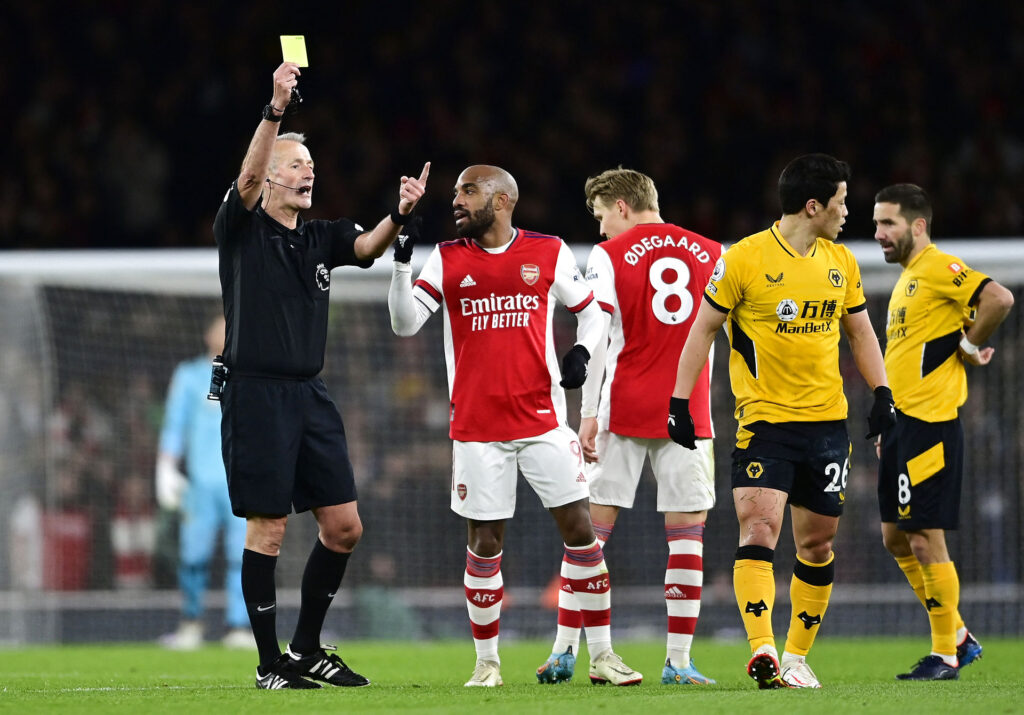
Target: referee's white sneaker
x=796 y=673
x=486 y=674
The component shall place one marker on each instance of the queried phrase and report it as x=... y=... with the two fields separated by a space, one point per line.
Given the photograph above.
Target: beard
x=901 y=248
x=478 y=222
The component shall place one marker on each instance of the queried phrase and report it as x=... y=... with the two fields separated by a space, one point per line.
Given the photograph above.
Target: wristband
x=400 y=219
x=268 y=113
x=968 y=347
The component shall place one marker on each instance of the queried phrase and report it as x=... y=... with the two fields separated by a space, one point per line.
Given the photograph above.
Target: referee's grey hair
x=298 y=137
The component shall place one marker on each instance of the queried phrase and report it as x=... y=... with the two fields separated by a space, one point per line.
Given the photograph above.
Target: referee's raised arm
x=256 y=164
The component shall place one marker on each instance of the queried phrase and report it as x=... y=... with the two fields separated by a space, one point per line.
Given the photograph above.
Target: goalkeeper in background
x=921 y=460
x=191 y=434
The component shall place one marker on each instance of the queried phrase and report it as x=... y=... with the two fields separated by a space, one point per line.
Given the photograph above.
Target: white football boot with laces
x=796 y=673
x=487 y=674
x=608 y=667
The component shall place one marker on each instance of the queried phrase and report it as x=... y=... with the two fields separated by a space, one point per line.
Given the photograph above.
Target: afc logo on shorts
x=461 y=491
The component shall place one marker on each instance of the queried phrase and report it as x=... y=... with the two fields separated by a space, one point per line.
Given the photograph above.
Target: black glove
x=407 y=238
x=883 y=413
x=680 y=424
x=574 y=367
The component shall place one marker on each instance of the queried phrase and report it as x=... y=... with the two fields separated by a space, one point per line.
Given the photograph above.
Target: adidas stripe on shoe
x=282 y=675
x=326 y=667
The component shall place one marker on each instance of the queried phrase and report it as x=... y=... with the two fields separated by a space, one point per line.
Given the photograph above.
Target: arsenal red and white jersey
x=650 y=279
x=503 y=370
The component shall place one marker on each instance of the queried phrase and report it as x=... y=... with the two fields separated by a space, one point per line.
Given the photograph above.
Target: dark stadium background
x=126 y=121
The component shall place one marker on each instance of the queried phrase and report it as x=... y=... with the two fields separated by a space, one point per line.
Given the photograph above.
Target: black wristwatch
x=268 y=114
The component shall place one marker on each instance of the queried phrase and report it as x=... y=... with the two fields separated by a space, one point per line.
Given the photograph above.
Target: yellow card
x=293 y=47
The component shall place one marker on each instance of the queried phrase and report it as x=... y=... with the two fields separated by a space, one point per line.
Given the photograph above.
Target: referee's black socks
x=320 y=582
x=260 y=596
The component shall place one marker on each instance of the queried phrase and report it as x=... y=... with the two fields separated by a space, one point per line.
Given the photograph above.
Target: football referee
x=283 y=438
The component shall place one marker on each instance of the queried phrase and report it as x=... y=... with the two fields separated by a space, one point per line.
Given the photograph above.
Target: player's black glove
x=883 y=412
x=680 y=424
x=574 y=367
x=407 y=238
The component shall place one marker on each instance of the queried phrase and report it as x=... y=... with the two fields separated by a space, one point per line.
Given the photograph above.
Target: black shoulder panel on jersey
x=715 y=305
x=742 y=344
x=977 y=292
x=938 y=350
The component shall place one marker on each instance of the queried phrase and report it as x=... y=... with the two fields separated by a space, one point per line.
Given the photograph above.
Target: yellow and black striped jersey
x=783 y=325
x=928 y=308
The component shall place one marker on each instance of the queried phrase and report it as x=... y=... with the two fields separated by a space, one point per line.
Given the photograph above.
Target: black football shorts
x=809 y=461
x=920 y=474
x=284 y=446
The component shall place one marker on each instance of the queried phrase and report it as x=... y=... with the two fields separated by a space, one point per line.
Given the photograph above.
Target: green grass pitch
x=427 y=677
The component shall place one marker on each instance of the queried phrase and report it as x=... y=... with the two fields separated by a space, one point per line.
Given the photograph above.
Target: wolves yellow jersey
x=783 y=325
x=927 y=311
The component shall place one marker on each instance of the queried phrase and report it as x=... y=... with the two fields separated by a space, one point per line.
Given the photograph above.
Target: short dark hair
x=914 y=202
x=811 y=176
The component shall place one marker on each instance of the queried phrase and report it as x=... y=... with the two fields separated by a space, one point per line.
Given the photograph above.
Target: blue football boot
x=968 y=651
x=683 y=676
x=558 y=668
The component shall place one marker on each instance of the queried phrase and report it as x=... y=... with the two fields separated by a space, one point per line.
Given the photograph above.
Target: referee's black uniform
x=283 y=439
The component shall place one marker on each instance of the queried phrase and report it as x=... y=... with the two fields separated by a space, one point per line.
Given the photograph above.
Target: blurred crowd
x=129 y=120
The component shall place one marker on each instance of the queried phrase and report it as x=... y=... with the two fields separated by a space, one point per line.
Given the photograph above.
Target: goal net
x=89 y=341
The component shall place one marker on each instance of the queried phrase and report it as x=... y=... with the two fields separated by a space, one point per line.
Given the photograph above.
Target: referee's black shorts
x=920 y=474
x=284 y=446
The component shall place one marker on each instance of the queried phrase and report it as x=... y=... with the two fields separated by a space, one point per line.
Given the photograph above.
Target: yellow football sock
x=754 y=583
x=942 y=597
x=809 y=592
x=911 y=568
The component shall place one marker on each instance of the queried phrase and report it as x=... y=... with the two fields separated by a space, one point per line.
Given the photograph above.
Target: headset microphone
x=300 y=189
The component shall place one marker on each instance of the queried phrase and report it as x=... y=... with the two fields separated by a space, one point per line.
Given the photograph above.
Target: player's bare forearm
x=864 y=346
x=994 y=305
x=695 y=351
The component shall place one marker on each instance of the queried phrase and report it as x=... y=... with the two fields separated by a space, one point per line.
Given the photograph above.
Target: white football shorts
x=484 y=473
x=686 y=477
